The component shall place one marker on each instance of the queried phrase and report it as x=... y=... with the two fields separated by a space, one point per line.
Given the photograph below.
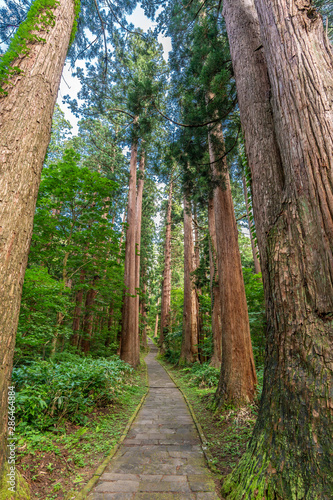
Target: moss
x=22 y=490
x=39 y=18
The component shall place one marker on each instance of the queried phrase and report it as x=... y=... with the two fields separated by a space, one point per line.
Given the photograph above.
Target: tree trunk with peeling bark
x=285 y=92
x=25 y=120
x=189 y=349
x=215 y=290
x=129 y=349
x=238 y=378
x=166 y=286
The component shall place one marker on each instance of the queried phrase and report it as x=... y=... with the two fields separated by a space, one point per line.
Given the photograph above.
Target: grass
x=57 y=464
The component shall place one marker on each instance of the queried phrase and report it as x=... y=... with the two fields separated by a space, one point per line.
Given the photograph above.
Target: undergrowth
x=58 y=460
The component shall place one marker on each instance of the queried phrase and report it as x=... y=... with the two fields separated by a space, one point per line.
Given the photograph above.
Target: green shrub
x=49 y=392
x=202 y=375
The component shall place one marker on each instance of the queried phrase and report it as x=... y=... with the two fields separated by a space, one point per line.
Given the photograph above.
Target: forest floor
x=227 y=429
x=57 y=465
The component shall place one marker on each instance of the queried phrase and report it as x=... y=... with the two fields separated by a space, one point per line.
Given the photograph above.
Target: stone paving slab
x=161 y=458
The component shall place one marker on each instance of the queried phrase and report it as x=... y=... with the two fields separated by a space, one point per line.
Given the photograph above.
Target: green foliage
x=42 y=298
x=49 y=392
x=201 y=375
x=256 y=306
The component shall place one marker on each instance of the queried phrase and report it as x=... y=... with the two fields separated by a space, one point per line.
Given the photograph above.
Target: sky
x=71 y=86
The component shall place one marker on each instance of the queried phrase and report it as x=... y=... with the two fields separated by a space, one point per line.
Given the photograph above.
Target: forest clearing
x=166 y=249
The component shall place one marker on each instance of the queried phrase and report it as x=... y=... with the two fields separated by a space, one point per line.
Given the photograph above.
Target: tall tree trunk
x=215 y=290
x=138 y=224
x=257 y=269
x=25 y=120
x=156 y=320
x=166 y=286
x=197 y=289
x=78 y=310
x=129 y=351
x=88 y=320
x=144 y=317
x=290 y=156
x=238 y=375
x=189 y=350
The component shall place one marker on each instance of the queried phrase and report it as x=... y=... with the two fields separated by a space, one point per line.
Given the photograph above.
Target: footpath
x=161 y=457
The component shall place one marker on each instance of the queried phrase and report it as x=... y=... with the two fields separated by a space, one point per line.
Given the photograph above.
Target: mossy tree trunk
x=285 y=88
x=25 y=120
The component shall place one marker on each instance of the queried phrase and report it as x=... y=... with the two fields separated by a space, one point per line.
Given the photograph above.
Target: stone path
x=161 y=457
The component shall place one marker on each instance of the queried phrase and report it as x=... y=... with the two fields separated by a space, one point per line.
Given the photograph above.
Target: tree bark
x=78 y=311
x=257 y=268
x=215 y=290
x=156 y=321
x=88 y=320
x=144 y=317
x=166 y=286
x=238 y=379
x=129 y=351
x=189 y=349
x=25 y=120
x=138 y=224
x=289 y=147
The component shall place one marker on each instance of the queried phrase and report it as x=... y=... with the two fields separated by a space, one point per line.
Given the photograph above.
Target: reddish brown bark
x=138 y=223
x=238 y=375
x=129 y=350
x=25 y=120
x=215 y=290
x=166 y=285
x=285 y=102
x=189 y=349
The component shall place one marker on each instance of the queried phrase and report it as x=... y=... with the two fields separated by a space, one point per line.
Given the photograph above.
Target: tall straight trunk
x=87 y=329
x=189 y=349
x=25 y=120
x=166 y=286
x=78 y=310
x=129 y=351
x=257 y=268
x=238 y=375
x=198 y=291
x=138 y=224
x=215 y=290
x=156 y=320
x=289 y=147
x=144 y=317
